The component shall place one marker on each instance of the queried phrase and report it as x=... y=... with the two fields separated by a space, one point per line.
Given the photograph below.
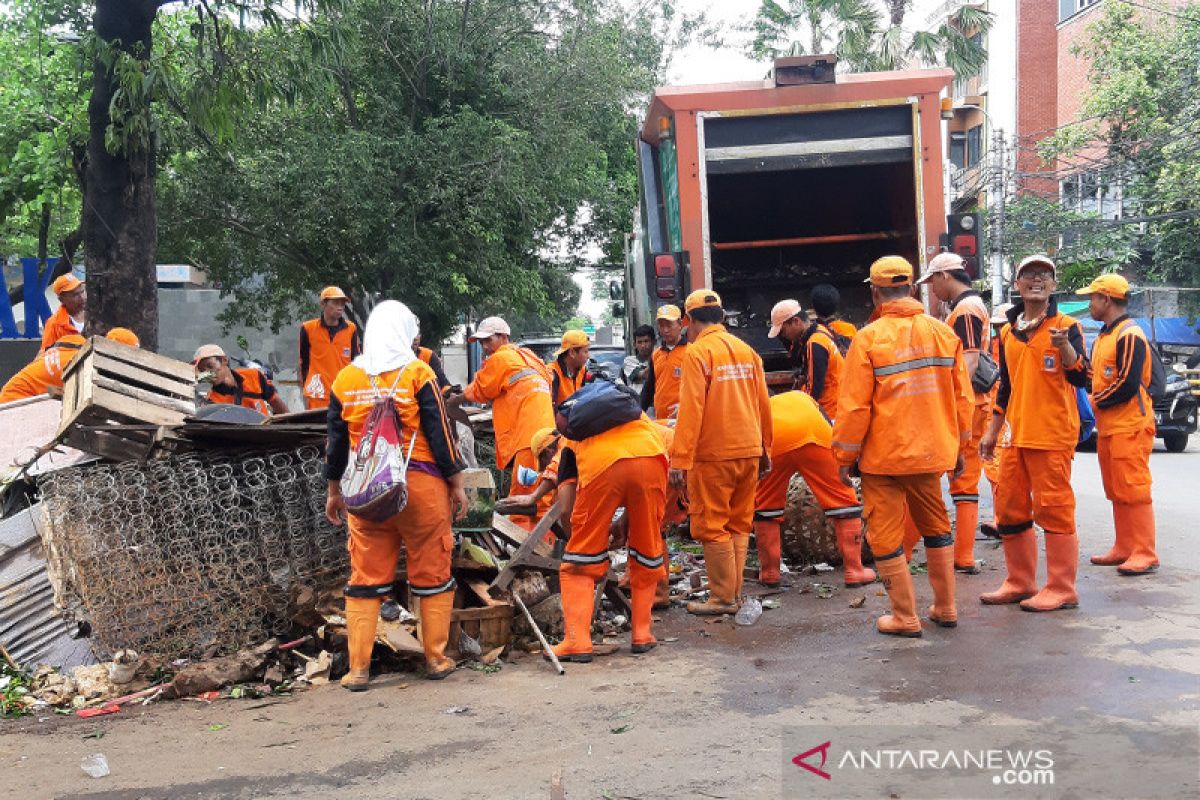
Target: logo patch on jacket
x=345 y=352
x=1109 y=371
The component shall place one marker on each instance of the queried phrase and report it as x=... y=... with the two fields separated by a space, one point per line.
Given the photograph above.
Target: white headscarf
x=387 y=342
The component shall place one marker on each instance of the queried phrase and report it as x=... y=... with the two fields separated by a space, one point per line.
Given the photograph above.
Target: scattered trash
x=918 y=569
x=457 y=710
x=109 y=708
x=390 y=611
x=751 y=610
x=316 y=671
x=217 y=726
x=123 y=667
x=823 y=590
x=859 y=601
x=468 y=647
x=621 y=729
x=771 y=602
x=817 y=569
x=95 y=765
x=492 y=656
x=1133 y=679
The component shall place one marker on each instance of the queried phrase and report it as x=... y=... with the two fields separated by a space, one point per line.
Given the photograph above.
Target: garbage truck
x=763 y=189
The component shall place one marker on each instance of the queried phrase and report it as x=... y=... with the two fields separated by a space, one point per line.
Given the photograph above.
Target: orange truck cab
x=763 y=189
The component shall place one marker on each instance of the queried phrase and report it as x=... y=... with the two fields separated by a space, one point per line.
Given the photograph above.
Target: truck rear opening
x=800 y=199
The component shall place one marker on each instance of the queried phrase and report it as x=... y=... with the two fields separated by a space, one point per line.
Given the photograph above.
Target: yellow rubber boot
x=720 y=563
x=849 y=541
x=1062 y=562
x=362 y=614
x=1122 y=547
x=435 y=634
x=898 y=582
x=941 y=577
x=966 y=521
x=1142 y=560
x=741 y=546
x=578 y=597
x=1020 y=559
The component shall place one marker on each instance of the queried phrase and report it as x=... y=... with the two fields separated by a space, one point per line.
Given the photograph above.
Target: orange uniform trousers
x=820 y=471
x=965 y=488
x=640 y=486
x=721 y=498
x=889 y=499
x=1125 y=466
x=422 y=529
x=1035 y=486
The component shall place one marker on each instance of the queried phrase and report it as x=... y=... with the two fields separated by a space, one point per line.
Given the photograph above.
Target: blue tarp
x=1177 y=331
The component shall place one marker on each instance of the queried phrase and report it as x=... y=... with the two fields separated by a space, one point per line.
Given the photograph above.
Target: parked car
x=606 y=359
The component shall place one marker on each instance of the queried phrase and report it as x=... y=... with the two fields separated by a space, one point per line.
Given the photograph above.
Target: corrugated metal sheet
x=31 y=628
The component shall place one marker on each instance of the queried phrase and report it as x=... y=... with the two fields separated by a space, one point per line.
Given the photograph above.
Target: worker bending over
x=388 y=366
x=45 y=372
x=327 y=344
x=517 y=384
x=813 y=352
x=1121 y=371
x=660 y=392
x=1041 y=364
x=801 y=444
x=969 y=319
x=904 y=420
x=568 y=371
x=248 y=387
x=70 y=317
x=625 y=466
x=722 y=446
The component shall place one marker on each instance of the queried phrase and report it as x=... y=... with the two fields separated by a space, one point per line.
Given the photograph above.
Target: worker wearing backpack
x=435 y=494
x=1122 y=378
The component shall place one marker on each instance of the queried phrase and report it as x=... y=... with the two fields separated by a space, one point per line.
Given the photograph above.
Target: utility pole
x=997 y=217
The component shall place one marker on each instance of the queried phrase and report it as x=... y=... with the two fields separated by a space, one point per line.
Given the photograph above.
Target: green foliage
x=1143 y=129
x=455 y=155
x=868 y=35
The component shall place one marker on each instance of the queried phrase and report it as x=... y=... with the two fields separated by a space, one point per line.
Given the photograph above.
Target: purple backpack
x=375 y=486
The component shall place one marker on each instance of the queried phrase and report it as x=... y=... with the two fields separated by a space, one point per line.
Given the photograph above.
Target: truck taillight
x=666 y=288
x=664 y=265
x=670 y=270
x=965 y=245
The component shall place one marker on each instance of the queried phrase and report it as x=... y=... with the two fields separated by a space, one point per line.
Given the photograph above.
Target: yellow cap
x=123 y=336
x=65 y=283
x=541 y=440
x=572 y=339
x=702 y=298
x=670 y=313
x=891 y=271
x=332 y=293
x=1111 y=285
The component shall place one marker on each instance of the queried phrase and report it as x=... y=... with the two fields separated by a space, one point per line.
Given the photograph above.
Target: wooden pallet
x=116 y=397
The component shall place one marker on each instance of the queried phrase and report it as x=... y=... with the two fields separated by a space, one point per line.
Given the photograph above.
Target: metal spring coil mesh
x=192 y=555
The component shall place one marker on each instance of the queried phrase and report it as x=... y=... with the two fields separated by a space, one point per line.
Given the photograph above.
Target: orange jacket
x=971 y=321
x=842 y=327
x=585 y=460
x=251 y=389
x=1037 y=393
x=906 y=401
x=323 y=353
x=40 y=374
x=564 y=385
x=419 y=403
x=58 y=326
x=1121 y=371
x=823 y=363
x=797 y=421
x=661 y=390
x=724 y=409
x=517 y=384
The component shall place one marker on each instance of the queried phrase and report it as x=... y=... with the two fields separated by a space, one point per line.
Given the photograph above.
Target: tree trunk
x=896 y=10
x=43 y=252
x=120 y=225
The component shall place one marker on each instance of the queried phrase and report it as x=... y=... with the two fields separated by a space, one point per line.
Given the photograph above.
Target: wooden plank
x=184 y=407
x=107 y=445
x=480 y=589
x=397 y=637
x=478 y=478
x=498 y=611
x=144 y=358
x=133 y=408
x=527 y=547
x=131 y=374
x=507 y=529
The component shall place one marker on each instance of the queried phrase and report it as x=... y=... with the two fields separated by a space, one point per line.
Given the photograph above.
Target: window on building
x=974 y=145
x=958 y=150
x=1080 y=5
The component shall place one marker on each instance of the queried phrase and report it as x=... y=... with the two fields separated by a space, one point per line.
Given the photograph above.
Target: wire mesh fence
x=193 y=555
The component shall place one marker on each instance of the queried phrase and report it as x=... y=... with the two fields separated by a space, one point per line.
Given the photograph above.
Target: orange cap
x=1110 y=285
x=542 y=439
x=671 y=313
x=332 y=293
x=572 y=339
x=781 y=313
x=891 y=271
x=65 y=283
x=702 y=298
x=123 y=336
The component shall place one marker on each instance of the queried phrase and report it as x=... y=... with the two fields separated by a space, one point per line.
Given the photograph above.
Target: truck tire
x=1176 y=442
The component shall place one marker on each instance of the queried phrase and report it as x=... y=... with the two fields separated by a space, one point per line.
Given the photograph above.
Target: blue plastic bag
x=1087 y=417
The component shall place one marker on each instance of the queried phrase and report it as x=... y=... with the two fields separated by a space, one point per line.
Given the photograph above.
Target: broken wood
x=546 y=648
x=528 y=548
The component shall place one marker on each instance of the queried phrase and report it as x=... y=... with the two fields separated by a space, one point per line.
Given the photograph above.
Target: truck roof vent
x=800 y=70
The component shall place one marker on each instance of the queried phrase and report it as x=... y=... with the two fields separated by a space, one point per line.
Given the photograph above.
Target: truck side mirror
x=615 y=290
x=618 y=310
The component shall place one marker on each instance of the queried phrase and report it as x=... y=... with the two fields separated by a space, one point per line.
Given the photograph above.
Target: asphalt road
x=703 y=716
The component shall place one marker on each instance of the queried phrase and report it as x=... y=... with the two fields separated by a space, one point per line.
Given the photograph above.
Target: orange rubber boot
x=966 y=520
x=849 y=541
x=1122 y=548
x=362 y=613
x=642 y=583
x=1143 y=560
x=767 y=540
x=1020 y=559
x=741 y=546
x=1062 y=561
x=719 y=563
x=911 y=535
x=898 y=582
x=435 y=634
x=662 y=589
x=941 y=578
x=578 y=595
